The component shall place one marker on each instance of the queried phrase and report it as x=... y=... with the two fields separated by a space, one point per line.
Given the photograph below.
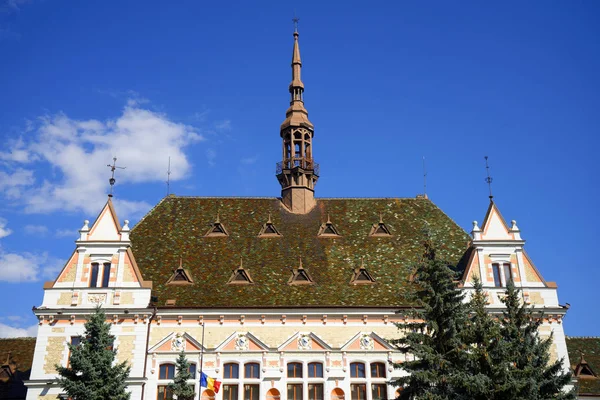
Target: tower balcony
x=297 y=162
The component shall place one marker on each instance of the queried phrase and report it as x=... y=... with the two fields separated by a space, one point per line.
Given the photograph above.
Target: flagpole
x=201 y=359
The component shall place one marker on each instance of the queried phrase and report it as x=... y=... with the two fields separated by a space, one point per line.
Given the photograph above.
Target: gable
x=531 y=272
x=304 y=341
x=367 y=341
x=494 y=226
x=106 y=226
x=175 y=342
x=242 y=341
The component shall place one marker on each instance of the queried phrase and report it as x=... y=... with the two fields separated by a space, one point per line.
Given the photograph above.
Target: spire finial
x=295 y=20
x=489 y=178
x=300 y=262
x=112 y=180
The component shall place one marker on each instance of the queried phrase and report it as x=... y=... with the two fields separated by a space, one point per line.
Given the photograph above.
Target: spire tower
x=297 y=173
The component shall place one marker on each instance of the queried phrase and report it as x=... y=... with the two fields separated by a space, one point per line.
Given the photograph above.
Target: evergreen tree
x=435 y=345
x=92 y=374
x=531 y=375
x=180 y=386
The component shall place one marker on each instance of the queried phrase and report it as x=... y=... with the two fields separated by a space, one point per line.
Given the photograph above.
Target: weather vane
x=169 y=177
x=489 y=178
x=112 y=180
x=295 y=20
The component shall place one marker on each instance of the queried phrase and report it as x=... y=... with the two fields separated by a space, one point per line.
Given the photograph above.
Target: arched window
x=294 y=370
x=252 y=371
x=315 y=381
x=357 y=370
x=166 y=371
x=377 y=370
x=251 y=390
x=315 y=370
x=208 y=395
x=378 y=381
x=337 y=394
x=273 y=394
x=231 y=371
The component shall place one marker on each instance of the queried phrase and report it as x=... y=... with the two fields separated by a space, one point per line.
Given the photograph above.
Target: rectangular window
x=164 y=393
x=357 y=370
x=231 y=371
x=75 y=340
x=497 y=280
x=378 y=391
x=192 y=370
x=251 y=392
x=94 y=275
x=358 y=391
x=377 y=370
x=507 y=273
x=105 y=274
x=315 y=370
x=294 y=370
x=230 y=392
x=294 y=391
x=315 y=391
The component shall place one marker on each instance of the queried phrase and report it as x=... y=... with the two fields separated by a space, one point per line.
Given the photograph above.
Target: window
x=358 y=391
x=507 y=273
x=294 y=391
x=497 y=279
x=378 y=391
x=294 y=370
x=315 y=391
x=192 y=370
x=166 y=371
x=94 y=275
x=105 y=274
x=357 y=370
x=315 y=370
x=251 y=370
x=230 y=392
x=251 y=392
x=377 y=370
x=164 y=393
x=231 y=371
x=75 y=341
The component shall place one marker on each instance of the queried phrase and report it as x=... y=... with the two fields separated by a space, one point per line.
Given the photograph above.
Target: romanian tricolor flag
x=210 y=383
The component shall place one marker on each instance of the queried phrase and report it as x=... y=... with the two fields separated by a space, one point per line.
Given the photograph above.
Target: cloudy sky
x=387 y=83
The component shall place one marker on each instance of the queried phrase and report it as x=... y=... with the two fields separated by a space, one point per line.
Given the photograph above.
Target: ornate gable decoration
x=217 y=229
x=367 y=341
x=380 y=229
x=361 y=275
x=180 y=276
x=300 y=276
x=242 y=341
x=304 y=341
x=240 y=276
x=176 y=342
x=269 y=230
x=328 y=229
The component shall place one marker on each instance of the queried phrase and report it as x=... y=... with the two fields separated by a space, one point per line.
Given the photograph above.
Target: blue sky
x=387 y=83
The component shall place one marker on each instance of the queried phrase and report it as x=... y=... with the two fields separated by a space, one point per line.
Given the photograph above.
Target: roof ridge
x=582 y=337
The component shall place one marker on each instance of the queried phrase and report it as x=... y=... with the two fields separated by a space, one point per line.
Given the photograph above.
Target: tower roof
x=296 y=114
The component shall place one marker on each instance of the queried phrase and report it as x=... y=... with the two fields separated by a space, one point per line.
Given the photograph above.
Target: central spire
x=297 y=173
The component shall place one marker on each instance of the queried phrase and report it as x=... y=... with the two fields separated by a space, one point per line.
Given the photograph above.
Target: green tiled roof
x=21 y=351
x=590 y=348
x=176 y=227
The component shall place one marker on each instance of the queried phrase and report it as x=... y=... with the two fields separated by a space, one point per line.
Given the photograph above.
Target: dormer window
x=99 y=274
x=269 y=229
x=328 y=229
x=217 y=229
x=240 y=276
x=180 y=276
x=502 y=274
x=380 y=229
x=300 y=276
x=361 y=276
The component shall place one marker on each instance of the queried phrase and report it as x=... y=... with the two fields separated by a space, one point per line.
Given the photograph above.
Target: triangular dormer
x=380 y=229
x=300 y=276
x=217 y=229
x=240 y=276
x=269 y=229
x=180 y=276
x=361 y=276
x=105 y=228
x=242 y=341
x=328 y=229
x=367 y=341
x=583 y=370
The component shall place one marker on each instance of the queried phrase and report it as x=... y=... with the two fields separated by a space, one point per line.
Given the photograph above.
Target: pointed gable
x=240 y=276
x=106 y=227
x=180 y=276
x=300 y=276
x=304 y=341
x=361 y=275
x=269 y=229
x=328 y=229
x=242 y=341
x=380 y=229
x=367 y=341
x=494 y=226
x=175 y=342
x=217 y=229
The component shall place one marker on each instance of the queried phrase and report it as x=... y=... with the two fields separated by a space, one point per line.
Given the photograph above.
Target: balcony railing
x=301 y=162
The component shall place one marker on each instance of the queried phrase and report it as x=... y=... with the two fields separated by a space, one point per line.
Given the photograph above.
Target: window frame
x=297 y=372
x=166 y=365
x=311 y=369
x=251 y=365
x=377 y=367
x=356 y=370
x=229 y=367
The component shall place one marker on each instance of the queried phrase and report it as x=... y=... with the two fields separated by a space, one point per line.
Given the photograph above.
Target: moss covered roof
x=177 y=226
x=21 y=354
x=590 y=348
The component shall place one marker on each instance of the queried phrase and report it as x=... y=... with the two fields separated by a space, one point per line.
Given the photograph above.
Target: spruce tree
x=435 y=346
x=180 y=386
x=531 y=375
x=92 y=373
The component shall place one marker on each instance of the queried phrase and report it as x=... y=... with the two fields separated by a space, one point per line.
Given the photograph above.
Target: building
x=292 y=297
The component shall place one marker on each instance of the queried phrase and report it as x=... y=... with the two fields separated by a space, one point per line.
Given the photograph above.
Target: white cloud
x=4 y=231
x=211 y=157
x=78 y=153
x=28 y=267
x=7 y=331
x=36 y=230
